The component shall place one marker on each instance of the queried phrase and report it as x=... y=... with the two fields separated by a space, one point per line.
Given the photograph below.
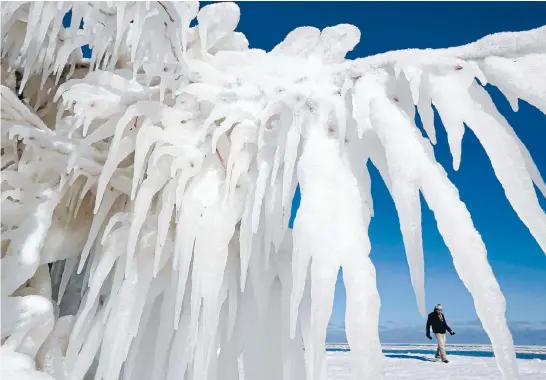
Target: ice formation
x=146 y=191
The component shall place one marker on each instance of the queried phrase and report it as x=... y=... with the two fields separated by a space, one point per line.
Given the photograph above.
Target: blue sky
x=516 y=259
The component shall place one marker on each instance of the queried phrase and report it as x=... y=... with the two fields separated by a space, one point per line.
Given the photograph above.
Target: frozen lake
x=426 y=350
x=416 y=362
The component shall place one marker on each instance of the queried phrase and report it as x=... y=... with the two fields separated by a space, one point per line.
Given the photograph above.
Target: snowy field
x=416 y=362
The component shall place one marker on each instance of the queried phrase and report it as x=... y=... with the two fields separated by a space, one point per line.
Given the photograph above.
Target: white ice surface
x=409 y=365
x=338 y=366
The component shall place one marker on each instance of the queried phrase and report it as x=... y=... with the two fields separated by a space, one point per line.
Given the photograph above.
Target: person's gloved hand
x=452 y=333
x=428 y=336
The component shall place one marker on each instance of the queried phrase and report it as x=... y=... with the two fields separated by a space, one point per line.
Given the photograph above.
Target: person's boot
x=445 y=361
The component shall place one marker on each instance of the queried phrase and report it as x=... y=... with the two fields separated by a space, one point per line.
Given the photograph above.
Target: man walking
x=437 y=321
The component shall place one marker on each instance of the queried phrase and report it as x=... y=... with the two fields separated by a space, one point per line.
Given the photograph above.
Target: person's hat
x=438 y=307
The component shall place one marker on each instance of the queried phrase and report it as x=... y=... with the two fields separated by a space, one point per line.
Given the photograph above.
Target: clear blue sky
x=517 y=260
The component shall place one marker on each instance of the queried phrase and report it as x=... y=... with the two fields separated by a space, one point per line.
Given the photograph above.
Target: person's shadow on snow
x=414 y=357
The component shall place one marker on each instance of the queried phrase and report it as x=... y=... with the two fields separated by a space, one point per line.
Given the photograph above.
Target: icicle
x=246 y=234
x=108 y=258
x=243 y=134
x=114 y=350
x=187 y=10
x=424 y=107
x=513 y=100
x=265 y=158
x=290 y=157
x=51 y=354
x=413 y=74
x=117 y=281
x=240 y=167
x=149 y=109
x=151 y=185
x=281 y=145
x=344 y=111
x=100 y=216
x=225 y=126
x=477 y=110
x=232 y=281
x=273 y=218
x=450 y=117
x=361 y=105
x=408 y=204
x=493 y=132
x=90 y=348
x=203 y=193
x=356 y=152
x=114 y=159
x=399 y=90
x=520 y=76
x=33 y=22
x=164 y=221
x=48 y=14
x=530 y=164
x=178 y=360
x=464 y=243
x=189 y=166
x=68 y=271
x=146 y=137
x=146 y=330
x=145 y=277
x=323 y=176
x=164 y=333
x=210 y=259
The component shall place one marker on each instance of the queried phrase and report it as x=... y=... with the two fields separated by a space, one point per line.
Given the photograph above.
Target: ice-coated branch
x=509 y=45
x=156 y=179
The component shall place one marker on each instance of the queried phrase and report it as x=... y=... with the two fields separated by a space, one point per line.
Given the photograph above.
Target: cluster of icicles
x=146 y=191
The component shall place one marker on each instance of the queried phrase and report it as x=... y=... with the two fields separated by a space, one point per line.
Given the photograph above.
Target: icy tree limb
x=455 y=226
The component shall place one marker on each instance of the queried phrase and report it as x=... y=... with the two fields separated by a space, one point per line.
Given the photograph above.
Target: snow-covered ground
x=416 y=362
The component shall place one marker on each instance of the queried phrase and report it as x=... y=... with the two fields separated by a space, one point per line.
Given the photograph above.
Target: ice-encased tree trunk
x=156 y=178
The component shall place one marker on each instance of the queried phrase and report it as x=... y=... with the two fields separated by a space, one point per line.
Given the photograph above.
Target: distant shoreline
x=472 y=350
x=523 y=346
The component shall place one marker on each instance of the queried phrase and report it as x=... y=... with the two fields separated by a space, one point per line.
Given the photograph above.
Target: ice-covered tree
x=146 y=191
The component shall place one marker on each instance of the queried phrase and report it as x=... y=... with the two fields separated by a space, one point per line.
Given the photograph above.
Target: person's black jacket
x=438 y=326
